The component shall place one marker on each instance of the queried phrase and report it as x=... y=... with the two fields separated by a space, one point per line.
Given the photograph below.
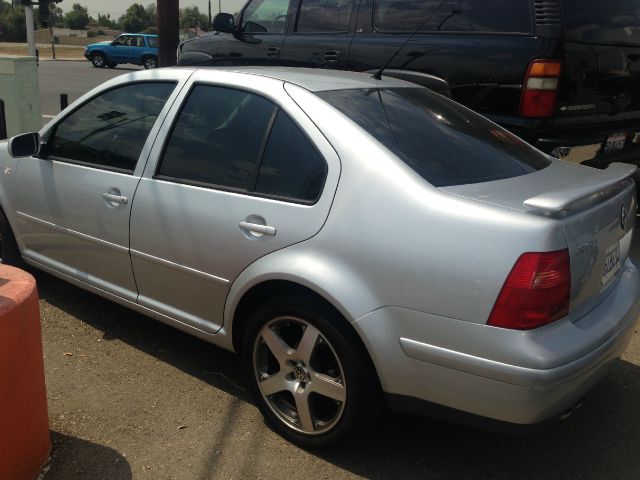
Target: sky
x=118 y=7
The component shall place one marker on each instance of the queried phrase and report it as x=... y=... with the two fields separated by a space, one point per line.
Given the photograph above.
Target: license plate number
x=611 y=263
x=615 y=143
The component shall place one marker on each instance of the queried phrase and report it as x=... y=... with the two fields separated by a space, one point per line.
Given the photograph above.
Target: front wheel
x=308 y=372
x=150 y=62
x=98 y=60
x=112 y=64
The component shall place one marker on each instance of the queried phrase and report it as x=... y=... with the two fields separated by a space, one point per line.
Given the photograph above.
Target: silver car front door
x=243 y=173
x=73 y=204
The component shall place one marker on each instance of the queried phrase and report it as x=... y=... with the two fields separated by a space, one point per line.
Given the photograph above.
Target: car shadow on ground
x=85 y=460
x=215 y=366
x=600 y=440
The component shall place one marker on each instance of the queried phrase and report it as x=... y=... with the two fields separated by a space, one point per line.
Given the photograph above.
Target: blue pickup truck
x=138 y=48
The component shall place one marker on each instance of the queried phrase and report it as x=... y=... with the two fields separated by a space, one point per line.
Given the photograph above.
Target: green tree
x=12 y=23
x=107 y=21
x=138 y=18
x=77 y=18
x=191 y=17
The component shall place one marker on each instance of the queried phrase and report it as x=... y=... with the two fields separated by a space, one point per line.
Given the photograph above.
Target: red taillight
x=540 y=89
x=535 y=293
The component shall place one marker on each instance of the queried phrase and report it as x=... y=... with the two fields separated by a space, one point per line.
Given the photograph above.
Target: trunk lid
x=596 y=209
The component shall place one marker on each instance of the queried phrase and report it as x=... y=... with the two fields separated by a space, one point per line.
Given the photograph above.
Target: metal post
x=3 y=122
x=64 y=101
x=210 y=15
x=31 y=35
x=53 y=43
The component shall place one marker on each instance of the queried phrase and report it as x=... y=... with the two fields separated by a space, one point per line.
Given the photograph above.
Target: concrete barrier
x=24 y=423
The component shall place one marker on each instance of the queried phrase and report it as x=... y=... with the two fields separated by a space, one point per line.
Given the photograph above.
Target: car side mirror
x=24 y=145
x=223 y=22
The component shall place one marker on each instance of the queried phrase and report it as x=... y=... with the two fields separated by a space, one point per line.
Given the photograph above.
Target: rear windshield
x=461 y=16
x=604 y=22
x=443 y=142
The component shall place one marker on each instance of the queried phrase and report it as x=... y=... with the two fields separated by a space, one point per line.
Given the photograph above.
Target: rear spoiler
x=558 y=203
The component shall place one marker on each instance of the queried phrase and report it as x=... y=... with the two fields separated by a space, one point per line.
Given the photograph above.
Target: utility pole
x=31 y=35
x=169 y=38
x=210 y=23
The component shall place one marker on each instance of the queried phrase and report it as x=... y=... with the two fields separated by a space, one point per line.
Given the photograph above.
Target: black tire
x=9 y=251
x=150 y=62
x=336 y=348
x=98 y=60
x=112 y=64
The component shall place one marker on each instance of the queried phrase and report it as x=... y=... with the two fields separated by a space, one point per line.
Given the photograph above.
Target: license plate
x=611 y=263
x=615 y=143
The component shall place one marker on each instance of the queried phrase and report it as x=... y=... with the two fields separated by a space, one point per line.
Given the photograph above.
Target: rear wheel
x=150 y=62
x=308 y=372
x=98 y=60
x=9 y=251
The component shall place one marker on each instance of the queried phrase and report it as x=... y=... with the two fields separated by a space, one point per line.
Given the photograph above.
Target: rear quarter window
x=472 y=16
x=153 y=42
x=443 y=142
x=602 y=22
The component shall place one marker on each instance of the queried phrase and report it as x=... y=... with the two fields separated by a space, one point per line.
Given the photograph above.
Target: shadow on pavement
x=215 y=366
x=80 y=460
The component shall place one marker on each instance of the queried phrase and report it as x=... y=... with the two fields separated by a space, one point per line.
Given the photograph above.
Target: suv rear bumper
x=509 y=376
x=579 y=143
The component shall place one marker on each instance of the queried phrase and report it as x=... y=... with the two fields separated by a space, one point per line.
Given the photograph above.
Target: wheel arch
x=335 y=286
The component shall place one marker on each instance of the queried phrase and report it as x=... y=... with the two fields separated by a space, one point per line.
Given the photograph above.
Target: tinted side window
x=265 y=16
x=503 y=16
x=153 y=42
x=218 y=138
x=324 y=16
x=444 y=143
x=110 y=130
x=291 y=166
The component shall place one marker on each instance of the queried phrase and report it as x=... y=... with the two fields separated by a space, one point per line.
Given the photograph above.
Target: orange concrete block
x=24 y=422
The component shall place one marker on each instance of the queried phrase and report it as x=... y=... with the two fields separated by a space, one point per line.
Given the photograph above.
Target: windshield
x=442 y=141
x=597 y=21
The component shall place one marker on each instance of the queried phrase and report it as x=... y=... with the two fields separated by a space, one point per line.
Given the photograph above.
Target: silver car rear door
x=190 y=238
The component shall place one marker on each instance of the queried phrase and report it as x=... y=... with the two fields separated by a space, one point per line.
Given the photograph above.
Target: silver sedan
x=358 y=241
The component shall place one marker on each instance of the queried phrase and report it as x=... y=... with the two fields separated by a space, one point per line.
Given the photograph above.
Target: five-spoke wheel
x=299 y=375
x=308 y=371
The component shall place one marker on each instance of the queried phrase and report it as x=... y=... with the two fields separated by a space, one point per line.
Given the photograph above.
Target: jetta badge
x=624 y=217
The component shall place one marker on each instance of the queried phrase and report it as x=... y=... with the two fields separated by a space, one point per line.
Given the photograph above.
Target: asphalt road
x=130 y=398
x=73 y=78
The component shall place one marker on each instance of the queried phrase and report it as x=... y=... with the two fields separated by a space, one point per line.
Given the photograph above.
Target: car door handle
x=332 y=56
x=113 y=198
x=259 y=229
x=273 y=52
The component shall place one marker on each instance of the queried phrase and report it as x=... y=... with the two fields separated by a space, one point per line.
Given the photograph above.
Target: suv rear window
x=597 y=21
x=443 y=142
x=153 y=42
x=502 y=16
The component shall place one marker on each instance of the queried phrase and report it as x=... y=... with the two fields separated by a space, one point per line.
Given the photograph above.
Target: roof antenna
x=378 y=74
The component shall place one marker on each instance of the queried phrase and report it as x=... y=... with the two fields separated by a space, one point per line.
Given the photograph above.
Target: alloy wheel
x=299 y=375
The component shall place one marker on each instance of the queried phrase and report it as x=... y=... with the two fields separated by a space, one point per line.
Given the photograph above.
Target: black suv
x=562 y=74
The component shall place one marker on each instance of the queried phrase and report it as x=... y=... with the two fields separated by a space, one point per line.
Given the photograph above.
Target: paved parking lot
x=132 y=398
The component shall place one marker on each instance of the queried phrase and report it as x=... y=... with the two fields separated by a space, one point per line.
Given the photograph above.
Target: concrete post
x=19 y=92
x=31 y=36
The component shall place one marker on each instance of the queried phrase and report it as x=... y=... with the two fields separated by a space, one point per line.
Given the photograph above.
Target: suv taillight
x=540 y=89
x=535 y=293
